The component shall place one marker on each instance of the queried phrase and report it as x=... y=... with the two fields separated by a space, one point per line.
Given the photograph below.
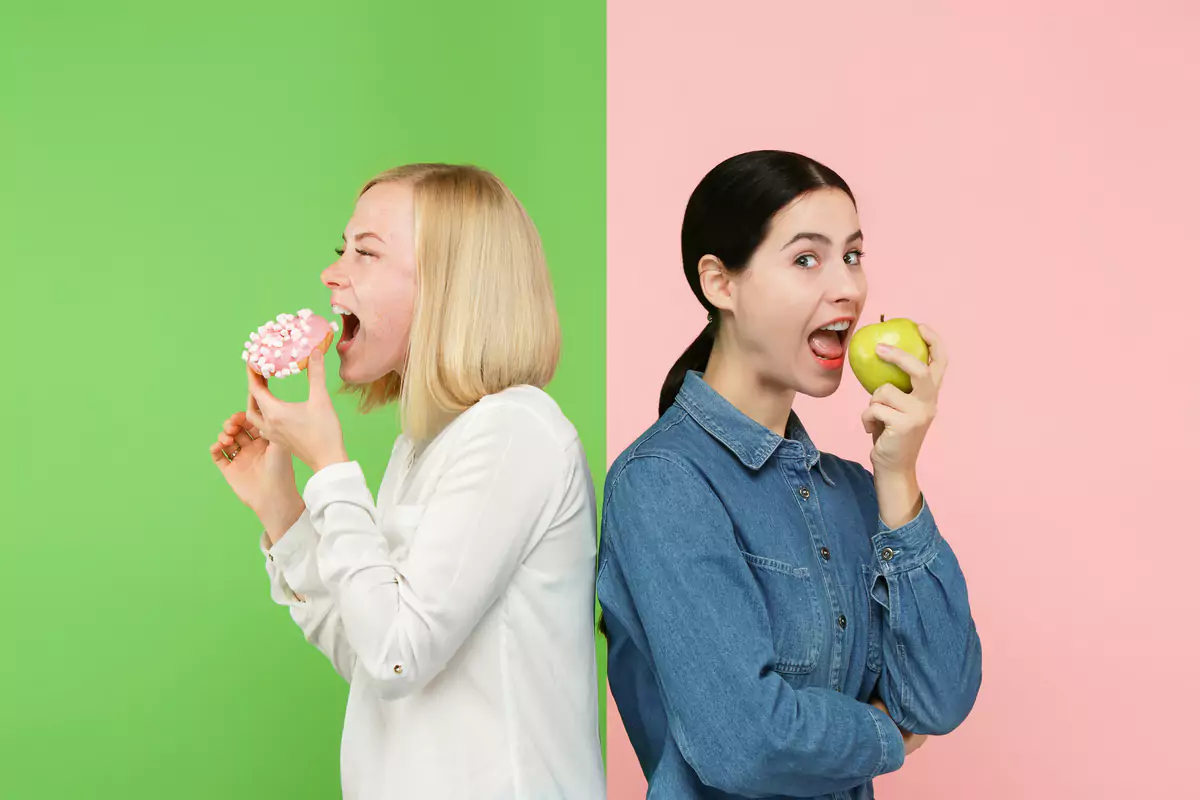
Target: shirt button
x=825 y=553
x=887 y=554
x=804 y=492
x=397 y=669
x=842 y=622
x=271 y=557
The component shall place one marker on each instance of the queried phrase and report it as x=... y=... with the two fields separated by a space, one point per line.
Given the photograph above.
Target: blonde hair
x=484 y=317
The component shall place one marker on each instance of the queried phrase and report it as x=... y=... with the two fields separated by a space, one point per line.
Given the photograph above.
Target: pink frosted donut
x=281 y=346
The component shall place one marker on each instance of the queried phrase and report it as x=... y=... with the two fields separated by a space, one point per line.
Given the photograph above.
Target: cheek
x=396 y=313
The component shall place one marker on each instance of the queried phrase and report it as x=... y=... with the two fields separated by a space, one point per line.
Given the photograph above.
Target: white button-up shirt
x=459 y=607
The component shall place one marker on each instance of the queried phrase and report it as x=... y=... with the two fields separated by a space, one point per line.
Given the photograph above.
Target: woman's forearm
x=279 y=521
x=899 y=497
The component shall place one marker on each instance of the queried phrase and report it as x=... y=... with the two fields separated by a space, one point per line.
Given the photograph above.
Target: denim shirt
x=754 y=604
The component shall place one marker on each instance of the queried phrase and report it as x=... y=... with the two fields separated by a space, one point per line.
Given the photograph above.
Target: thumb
x=316 y=371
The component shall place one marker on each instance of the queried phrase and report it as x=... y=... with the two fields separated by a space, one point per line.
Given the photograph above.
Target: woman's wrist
x=279 y=521
x=899 y=497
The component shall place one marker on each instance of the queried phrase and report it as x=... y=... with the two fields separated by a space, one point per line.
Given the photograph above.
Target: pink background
x=1027 y=175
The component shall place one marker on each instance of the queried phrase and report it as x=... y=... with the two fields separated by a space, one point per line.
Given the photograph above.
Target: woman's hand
x=898 y=421
x=311 y=429
x=912 y=741
x=260 y=473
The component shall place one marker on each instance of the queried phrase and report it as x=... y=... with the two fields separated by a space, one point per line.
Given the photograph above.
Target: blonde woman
x=459 y=603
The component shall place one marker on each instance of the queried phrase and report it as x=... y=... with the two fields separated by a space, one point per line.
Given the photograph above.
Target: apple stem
x=881 y=317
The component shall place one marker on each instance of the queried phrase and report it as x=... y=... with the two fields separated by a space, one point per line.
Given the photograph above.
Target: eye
x=341 y=250
x=854 y=257
x=807 y=260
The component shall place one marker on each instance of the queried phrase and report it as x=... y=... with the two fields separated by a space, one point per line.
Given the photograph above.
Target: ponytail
x=694 y=358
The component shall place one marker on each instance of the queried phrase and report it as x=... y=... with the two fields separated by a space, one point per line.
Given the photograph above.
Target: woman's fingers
x=937 y=353
x=920 y=372
x=238 y=423
x=255 y=419
x=876 y=416
x=890 y=395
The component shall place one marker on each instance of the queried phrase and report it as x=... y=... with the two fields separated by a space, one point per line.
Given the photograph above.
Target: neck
x=767 y=403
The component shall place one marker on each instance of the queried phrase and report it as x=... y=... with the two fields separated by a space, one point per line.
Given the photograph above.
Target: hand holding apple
x=898 y=420
x=873 y=371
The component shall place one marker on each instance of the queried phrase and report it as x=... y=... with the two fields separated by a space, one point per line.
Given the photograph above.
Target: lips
x=828 y=342
x=350 y=326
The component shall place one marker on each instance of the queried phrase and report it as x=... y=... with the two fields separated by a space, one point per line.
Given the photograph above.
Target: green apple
x=871 y=370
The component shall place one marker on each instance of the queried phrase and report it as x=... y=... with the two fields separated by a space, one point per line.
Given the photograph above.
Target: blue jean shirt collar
x=752 y=443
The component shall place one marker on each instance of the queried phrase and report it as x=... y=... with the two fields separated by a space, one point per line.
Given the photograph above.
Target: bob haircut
x=484 y=318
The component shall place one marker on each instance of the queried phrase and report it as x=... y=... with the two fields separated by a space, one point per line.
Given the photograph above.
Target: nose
x=333 y=277
x=847 y=285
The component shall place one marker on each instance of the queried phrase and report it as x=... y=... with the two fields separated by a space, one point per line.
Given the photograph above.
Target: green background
x=184 y=175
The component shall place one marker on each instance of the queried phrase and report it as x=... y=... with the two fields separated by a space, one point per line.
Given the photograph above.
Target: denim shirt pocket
x=874 y=622
x=791 y=600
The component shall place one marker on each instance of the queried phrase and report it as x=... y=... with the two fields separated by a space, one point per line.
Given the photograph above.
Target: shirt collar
x=751 y=442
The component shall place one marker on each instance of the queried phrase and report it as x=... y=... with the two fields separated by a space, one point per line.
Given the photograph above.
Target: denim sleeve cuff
x=910 y=546
x=891 y=743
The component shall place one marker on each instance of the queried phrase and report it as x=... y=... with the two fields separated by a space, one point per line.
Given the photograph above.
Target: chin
x=820 y=385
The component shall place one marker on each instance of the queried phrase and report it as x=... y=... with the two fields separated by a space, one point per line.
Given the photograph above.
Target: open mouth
x=350 y=326
x=828 y=343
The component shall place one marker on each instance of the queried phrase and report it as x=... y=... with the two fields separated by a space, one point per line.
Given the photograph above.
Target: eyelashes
x=809 y=260
x=341 y=250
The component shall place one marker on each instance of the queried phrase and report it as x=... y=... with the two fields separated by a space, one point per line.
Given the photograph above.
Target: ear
x=716 y=282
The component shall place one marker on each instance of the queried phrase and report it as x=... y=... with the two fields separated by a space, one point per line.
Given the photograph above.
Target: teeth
x=837 y=326
x=340 y=310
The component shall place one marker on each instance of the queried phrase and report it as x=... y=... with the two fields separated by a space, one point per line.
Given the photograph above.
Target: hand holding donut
x=311 y=429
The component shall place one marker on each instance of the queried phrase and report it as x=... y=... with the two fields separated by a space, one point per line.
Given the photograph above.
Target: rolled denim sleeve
x=932 y=657
x=742 y=728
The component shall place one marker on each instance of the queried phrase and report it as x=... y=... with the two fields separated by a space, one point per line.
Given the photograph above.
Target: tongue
x=826 y=344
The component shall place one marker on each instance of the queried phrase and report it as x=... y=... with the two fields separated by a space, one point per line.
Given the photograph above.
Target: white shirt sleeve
x=491 y=503
x=295 y=584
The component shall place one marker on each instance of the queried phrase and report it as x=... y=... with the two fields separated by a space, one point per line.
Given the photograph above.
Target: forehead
x=385 y=209
x=827 y=211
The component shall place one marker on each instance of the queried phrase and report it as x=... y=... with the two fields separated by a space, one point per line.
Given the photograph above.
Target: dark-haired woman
x=781 y=622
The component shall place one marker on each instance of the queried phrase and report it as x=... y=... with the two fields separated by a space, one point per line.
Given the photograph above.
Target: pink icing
x=278 y=346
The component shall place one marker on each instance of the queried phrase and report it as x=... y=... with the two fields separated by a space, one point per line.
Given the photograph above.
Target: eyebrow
x=364 y=235
x=820 y=237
